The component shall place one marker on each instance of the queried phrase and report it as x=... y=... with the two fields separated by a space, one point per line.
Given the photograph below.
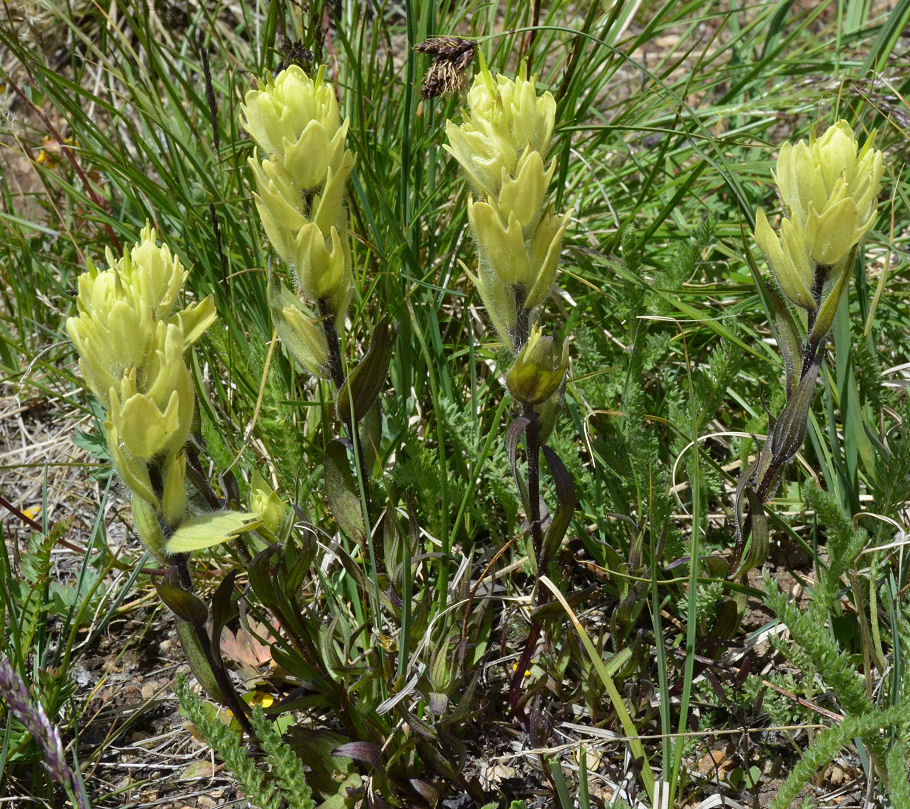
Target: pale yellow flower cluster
x=300 y=177
x=131 y=339
x=830 y=188
x=501 y=147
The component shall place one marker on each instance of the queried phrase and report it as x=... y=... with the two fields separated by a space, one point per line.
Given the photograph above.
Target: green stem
x=542 y=596
x=237 y=706
x=327 y=319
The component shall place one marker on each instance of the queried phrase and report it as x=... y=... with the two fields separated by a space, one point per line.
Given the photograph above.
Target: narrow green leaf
x=565 y=505
x=184 y=604
x=361 y=389
x=342 y=491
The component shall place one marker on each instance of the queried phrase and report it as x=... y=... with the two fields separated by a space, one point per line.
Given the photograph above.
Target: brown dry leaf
x=245 y=650
x=714 y=763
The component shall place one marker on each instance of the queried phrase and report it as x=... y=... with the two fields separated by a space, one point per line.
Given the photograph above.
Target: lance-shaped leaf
x=743 y=517
x=565 y=505
x=342 y=491
x=754 y=539
x=787 y=338
x=328 y=774
x=223 y=610
x=367 y=752
x=197 y=660
x=299 y=553
x=268 y=578
x=185 y=605
x=361 y=389
x=513 y=436
x=261 y=577
x=208 y=530
x=726 y=616
x=826 y=311
x=790 y=429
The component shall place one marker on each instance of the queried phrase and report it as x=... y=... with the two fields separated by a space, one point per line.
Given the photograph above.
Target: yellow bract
x=830 y=188
x=507 y=117
x=295 y=121
x=301 y=178
x=131 y=340
x=501 y=147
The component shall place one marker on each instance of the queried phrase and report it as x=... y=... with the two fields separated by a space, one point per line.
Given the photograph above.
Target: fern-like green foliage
x=844 y=545
x=283 y=785
x=418 y=469
x=286 y=766
x=896 y=768
x=814 y=642
x=826 y=746
x=32 y=586
x=814 y=647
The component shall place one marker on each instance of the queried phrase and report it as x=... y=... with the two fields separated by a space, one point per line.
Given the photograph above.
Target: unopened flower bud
x=499 y=299
x=539 y=369
x=266 y=502
x=300 y=334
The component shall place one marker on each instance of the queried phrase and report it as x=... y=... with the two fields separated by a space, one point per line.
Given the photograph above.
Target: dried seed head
x=295 y=53
x=447 y=73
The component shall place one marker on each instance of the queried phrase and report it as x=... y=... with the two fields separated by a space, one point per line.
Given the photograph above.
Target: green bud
x=266 y=502
x=789 y=259
x=300 y=334
x=173 y=496
x=147 y=522
x=499 y=299
x=539 y=369
x=548 y=411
